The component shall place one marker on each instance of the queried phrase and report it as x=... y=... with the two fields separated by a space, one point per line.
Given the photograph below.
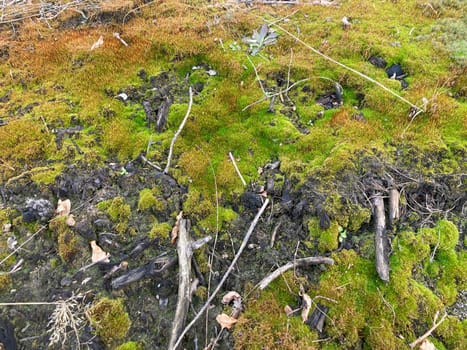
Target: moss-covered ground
x=331 y=160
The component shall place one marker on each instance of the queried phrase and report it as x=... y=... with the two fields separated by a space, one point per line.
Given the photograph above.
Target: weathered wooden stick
x=428 y=333
x=382 y=259
x=236 y=168
x=224 y=278
x=394 y=210
x=180 y=128
x=185 y=253
x=313 y=260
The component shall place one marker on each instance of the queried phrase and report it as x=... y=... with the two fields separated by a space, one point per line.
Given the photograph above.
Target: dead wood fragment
x=317 y=317
x=394 y=210
x=296 y=263
x=381 y=240
x=185 y=253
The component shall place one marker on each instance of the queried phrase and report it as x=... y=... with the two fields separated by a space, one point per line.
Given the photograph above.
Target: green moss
x=131 y=345
x=119 y=213
x=146 y=199
x=327 y=239
x=160 y=230
x=449 y=235
x=66 y=239
x=109 y=319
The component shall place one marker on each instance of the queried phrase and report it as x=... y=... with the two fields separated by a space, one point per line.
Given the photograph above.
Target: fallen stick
x=224 y=278
x=180 y=128
x=296 y=263
x=428 y=333
x=185 y=253
x=236 y=168
x=382 y=259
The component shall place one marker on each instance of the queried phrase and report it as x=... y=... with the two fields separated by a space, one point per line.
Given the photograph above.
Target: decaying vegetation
x=232 y=174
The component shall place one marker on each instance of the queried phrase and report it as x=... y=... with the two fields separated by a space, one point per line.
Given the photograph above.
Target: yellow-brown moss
x=109 y=320
x=66 y=239
x=119 y=213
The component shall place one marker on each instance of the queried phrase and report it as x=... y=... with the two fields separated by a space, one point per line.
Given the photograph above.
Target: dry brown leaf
x=427 y=345
x=225 y=321
x=63 y=207
x=70 y=220
x=174 y=235
x=6 y=228
x=288 y=310
x=230 y=296
x=98 y=255
x=306 y=307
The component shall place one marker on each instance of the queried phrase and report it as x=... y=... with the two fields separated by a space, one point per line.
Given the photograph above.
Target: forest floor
x=333 y=116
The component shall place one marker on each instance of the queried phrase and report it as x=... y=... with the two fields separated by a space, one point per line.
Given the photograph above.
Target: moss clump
x=119 y=213
x=160 y=230
x=327 y=239
x=131 y=345
x=67 y=240
x=109 y=319
x=348 y=215
x=150 y=199
x=448 y=235
x=5 y=281
x=146 y=199
x=118 y=139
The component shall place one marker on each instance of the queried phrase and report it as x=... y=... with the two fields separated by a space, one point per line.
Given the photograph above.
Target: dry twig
x=236 y=168
x=180 y=128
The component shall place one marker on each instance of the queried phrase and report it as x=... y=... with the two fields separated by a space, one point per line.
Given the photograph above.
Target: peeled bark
x=394 y=210
x=381 y=240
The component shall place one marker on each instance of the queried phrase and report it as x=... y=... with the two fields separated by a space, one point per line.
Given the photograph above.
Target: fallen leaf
x=230 y=296
x=63 y=207
x=98 y=43
x=70 y=220
x=98 y=255
x=288 y=310
x=174 y=235
x=6 y=228
x=427 y=345
x=226 y=321
x=306 y=306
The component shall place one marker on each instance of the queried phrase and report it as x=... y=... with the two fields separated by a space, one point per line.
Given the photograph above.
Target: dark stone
x=85 y=230
x=143 y=74
x=38 y=209
x=395 y=72
x=7 y=335
x=404 y=84
x=324 y=220
x=378 y=61
x=199 y=86
x=251 y=200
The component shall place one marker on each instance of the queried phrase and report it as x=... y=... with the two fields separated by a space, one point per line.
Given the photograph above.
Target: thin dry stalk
x=180 y=128
x=237 y=169
x=428 y=333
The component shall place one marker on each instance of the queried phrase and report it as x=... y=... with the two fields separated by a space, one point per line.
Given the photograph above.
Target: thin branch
x=180 y=128
x=236 y=168
x=257 y=77
x=292 y=264
x=345 y=66
x=227 y=273
x=428 y=333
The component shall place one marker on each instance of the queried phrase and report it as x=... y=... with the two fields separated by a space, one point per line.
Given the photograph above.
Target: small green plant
x=258 y=40
x=342 y=234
